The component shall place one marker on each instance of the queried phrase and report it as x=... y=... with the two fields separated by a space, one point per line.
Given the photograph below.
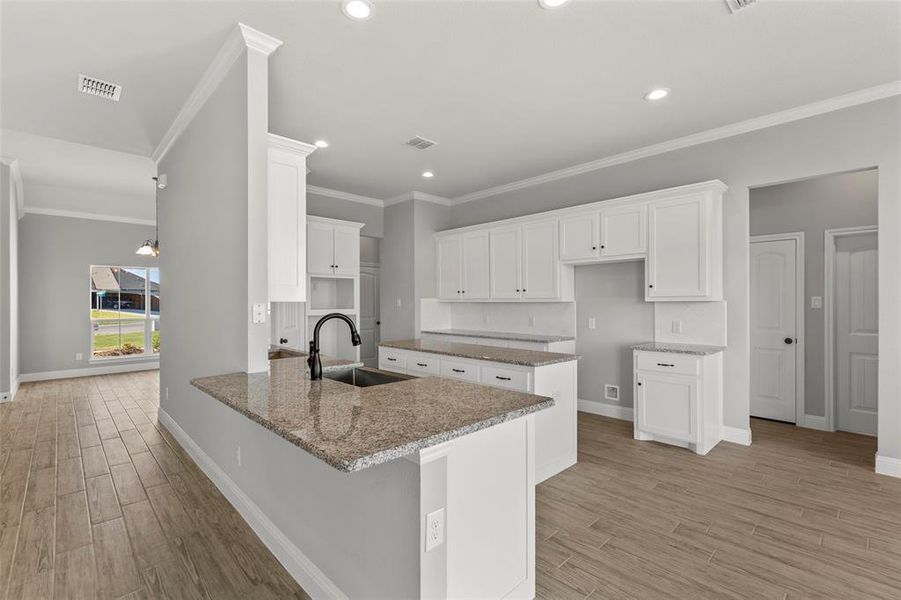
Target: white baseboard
x=11 y=394
x=887 y=465
x=298 y=564
x=614 y=411
x=737 y=435
x=149 y=365
x=814 y=422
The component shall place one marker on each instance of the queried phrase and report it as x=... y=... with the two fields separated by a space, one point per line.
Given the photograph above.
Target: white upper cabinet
x=624 y=231
x=333 y=247
x=506 y=262
x=579 y=237
x=287 y=214
x=475 y=265
x=685 y=248
x=539 y=260
x=450 y=269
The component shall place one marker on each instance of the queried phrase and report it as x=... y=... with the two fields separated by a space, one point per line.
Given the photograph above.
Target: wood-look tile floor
x=798 y=514
x=97 y=500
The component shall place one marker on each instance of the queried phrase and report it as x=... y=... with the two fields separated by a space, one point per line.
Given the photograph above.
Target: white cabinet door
x=539 y=260
x=678 y=248
x=287 y=212
x=579 y=237
x=320 y=248
x=624 y=230
x=667 y=405
x=475 y=283
x=347 y=250
x=505 y=256
x=449 y=252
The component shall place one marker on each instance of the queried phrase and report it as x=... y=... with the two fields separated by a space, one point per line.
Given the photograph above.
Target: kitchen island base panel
x=362 y=534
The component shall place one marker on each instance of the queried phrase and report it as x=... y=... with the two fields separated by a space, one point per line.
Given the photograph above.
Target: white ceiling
x=507 y=89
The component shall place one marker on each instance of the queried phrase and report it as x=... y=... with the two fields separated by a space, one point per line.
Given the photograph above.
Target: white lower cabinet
x=679 y=399
x=555 y=427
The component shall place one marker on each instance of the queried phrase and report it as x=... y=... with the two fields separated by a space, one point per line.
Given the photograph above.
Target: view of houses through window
x=125 y=311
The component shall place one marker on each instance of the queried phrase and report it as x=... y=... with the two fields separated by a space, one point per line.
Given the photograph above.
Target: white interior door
x=369 y=316
x=774 y=267
x=856 y=332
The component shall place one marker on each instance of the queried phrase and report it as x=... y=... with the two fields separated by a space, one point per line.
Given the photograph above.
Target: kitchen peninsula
x=325 y=473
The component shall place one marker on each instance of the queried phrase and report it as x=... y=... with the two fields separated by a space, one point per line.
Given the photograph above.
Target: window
x=125 y=311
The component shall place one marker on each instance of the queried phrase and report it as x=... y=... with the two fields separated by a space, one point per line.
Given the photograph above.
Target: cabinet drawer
x=390 y=360
x=419 y=364
x=459 y=370
x=505 y=378
x=682 y=364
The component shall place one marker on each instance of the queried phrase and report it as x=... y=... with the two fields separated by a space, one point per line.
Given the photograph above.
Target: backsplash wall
x=552 y=318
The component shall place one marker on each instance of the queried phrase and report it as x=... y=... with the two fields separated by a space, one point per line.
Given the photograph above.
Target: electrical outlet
x=816 y=302
x=238 y=455
x=167 y=393
x=677 y=326
x=592 y=323
x=611 y=392
x=79 y=356
x=399 y=303
x=434 y=529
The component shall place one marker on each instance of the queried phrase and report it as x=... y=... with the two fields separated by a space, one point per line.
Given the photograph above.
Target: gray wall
x=9 y=291
x=812 y=206
x=428 y=217
x=334 y=208
x=613 y=294
x=56 y=254
x=850 y=139
x=396 y=273
x=369 y=249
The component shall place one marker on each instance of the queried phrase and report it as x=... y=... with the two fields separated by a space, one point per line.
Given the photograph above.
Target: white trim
x=11 y=394
x=800 y=304
x=331 y=221
x=829 y=237
x=813 y=109
x=415 y=195
x=736 y=435
x=146 y=364
x=55 y=212
x=296 y=146
x=814 y=422
x=604 y=409
x=339 y=195
x=15 y=173
x=887 y=465
x=298 y=564
x=239 y=39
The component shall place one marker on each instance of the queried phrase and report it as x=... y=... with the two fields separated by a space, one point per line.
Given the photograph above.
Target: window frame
x=150 y=321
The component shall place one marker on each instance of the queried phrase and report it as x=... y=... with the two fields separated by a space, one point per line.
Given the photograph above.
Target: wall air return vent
x=99 y=87
x=737 y=5
x=420 y=143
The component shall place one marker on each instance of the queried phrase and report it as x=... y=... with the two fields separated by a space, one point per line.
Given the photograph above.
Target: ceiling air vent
x=99 y=87
x=737 y=5
x=420 y=143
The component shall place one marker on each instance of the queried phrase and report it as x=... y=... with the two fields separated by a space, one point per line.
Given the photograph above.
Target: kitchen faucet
x=313 y=360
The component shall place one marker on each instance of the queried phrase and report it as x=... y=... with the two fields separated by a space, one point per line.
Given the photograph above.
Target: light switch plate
x=592 y=323
x=434 y=529
x=816 y=302
x=677 y=326
x=259 y=313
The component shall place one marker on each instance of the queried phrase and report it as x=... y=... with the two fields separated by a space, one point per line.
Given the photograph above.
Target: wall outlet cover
x=611 y=392
x=677 y=325
x=816 y=302
x=79 y=356
x=434 y=529
x=259 y=313
x=592 y=323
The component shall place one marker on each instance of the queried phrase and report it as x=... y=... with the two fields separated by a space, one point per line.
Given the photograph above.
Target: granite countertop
x=353 y=428
x=697 y=349
x=503 y=335
x=512 y=356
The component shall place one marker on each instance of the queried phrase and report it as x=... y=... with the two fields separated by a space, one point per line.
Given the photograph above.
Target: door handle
x=378 y=322
x=788 y=340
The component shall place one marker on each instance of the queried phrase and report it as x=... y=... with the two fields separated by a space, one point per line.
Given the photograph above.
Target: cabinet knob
x=788 y=340
x=639 y=383
x=603 y=246
x=650 y=285
x=517 y=289
x=594 y=247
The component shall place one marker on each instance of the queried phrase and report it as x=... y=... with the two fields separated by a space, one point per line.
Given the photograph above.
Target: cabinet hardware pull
x=391 y=359
x=594 y=247
x=502 y=378
x=603 y=246
x=665 y=365
x=458 y=370
x=517 y=289
x=421 y=365
x=650 y=285
x=639 y=383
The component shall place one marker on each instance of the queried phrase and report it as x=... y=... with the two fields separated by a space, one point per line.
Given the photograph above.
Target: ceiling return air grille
x=420 y=143
x=99 y=87
x=737 y=5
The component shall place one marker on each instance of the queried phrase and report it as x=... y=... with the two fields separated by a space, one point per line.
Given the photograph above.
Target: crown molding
x=415 y=195
x=338 y=194
x=283 y=143
x=241 y=37
x=398 y=199
x=864 y=96
x=55 y=212
x=15 y=174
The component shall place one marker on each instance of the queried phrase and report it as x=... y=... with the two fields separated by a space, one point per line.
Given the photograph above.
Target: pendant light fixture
x=152 y=247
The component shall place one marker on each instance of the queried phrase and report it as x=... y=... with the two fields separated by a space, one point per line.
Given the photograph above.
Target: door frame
x=830 y=236
x=801 y=418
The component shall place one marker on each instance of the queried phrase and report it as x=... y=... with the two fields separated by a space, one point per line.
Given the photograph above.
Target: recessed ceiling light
x=551 y=3
x=657 y=94
x=428 y=174
x=357 y=9
x=321 y=144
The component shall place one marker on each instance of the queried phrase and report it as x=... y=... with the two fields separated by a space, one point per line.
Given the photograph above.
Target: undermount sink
x=364 y=377
x=277 y=354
